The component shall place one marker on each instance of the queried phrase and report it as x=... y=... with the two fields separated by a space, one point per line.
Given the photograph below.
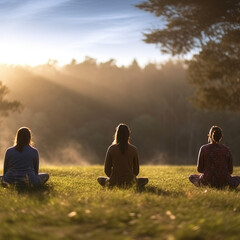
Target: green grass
x=73 y=206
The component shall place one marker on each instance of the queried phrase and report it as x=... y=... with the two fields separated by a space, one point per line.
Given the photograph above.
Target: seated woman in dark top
x=21 y=163
x=215 y=163
x=121 y=162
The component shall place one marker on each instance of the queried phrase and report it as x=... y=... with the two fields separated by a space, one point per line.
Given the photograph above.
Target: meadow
x=73 y=206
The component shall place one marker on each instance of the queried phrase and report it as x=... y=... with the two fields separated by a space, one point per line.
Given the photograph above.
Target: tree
x=5 y=105
x=210 y=28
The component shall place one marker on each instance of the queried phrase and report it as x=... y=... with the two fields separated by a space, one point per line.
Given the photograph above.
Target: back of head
x=215 y=134
x=122 y=136
x=23 y=138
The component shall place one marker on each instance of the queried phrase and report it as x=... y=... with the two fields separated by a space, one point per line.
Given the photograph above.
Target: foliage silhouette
x=211 y=28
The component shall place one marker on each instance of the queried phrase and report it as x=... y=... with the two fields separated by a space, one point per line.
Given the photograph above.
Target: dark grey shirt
x=121 y=168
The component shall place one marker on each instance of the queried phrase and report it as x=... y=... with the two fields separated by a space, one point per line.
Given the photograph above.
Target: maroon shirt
x=215 y=162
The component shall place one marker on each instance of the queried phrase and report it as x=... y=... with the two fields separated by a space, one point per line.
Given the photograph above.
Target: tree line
x=73 y=111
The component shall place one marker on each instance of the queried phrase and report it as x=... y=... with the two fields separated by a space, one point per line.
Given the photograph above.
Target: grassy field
x=73 y=206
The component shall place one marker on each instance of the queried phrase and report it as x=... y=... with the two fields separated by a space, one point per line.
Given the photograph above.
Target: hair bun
x=216 y=134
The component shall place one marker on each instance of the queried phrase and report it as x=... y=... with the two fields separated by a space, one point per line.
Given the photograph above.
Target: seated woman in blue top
x=21 y=163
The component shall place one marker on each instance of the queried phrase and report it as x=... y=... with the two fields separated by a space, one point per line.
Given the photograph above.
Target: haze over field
x=73 y=103
x=73 y=111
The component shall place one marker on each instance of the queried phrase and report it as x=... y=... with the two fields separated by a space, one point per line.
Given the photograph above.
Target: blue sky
x=33 y=31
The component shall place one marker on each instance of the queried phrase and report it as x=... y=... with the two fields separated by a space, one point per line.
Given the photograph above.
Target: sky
x=35 y=31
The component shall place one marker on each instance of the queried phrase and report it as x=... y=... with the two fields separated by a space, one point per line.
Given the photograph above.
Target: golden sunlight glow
x=17 y=53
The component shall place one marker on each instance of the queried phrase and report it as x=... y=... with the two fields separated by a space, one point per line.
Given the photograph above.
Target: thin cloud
x=15 y=10
x=108 y=35
x=100 y=17
x=64 y=29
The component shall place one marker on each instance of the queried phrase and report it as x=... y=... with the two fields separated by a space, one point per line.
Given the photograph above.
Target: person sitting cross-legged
x=121 y=162
x=21 y=163
x=215 y=163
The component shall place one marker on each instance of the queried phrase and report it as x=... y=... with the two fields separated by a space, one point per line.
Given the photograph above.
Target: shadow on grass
x=224 y=188
x=235 y=189
x=42 y=193
x=158 y=191
x=146 y=189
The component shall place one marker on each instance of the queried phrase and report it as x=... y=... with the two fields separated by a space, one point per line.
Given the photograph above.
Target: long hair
x=122 y=137
x=23 y=138
x=215 y=134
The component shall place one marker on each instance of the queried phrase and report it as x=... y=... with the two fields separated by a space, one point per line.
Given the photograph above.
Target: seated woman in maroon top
x=215 y=163
x=121 y=162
